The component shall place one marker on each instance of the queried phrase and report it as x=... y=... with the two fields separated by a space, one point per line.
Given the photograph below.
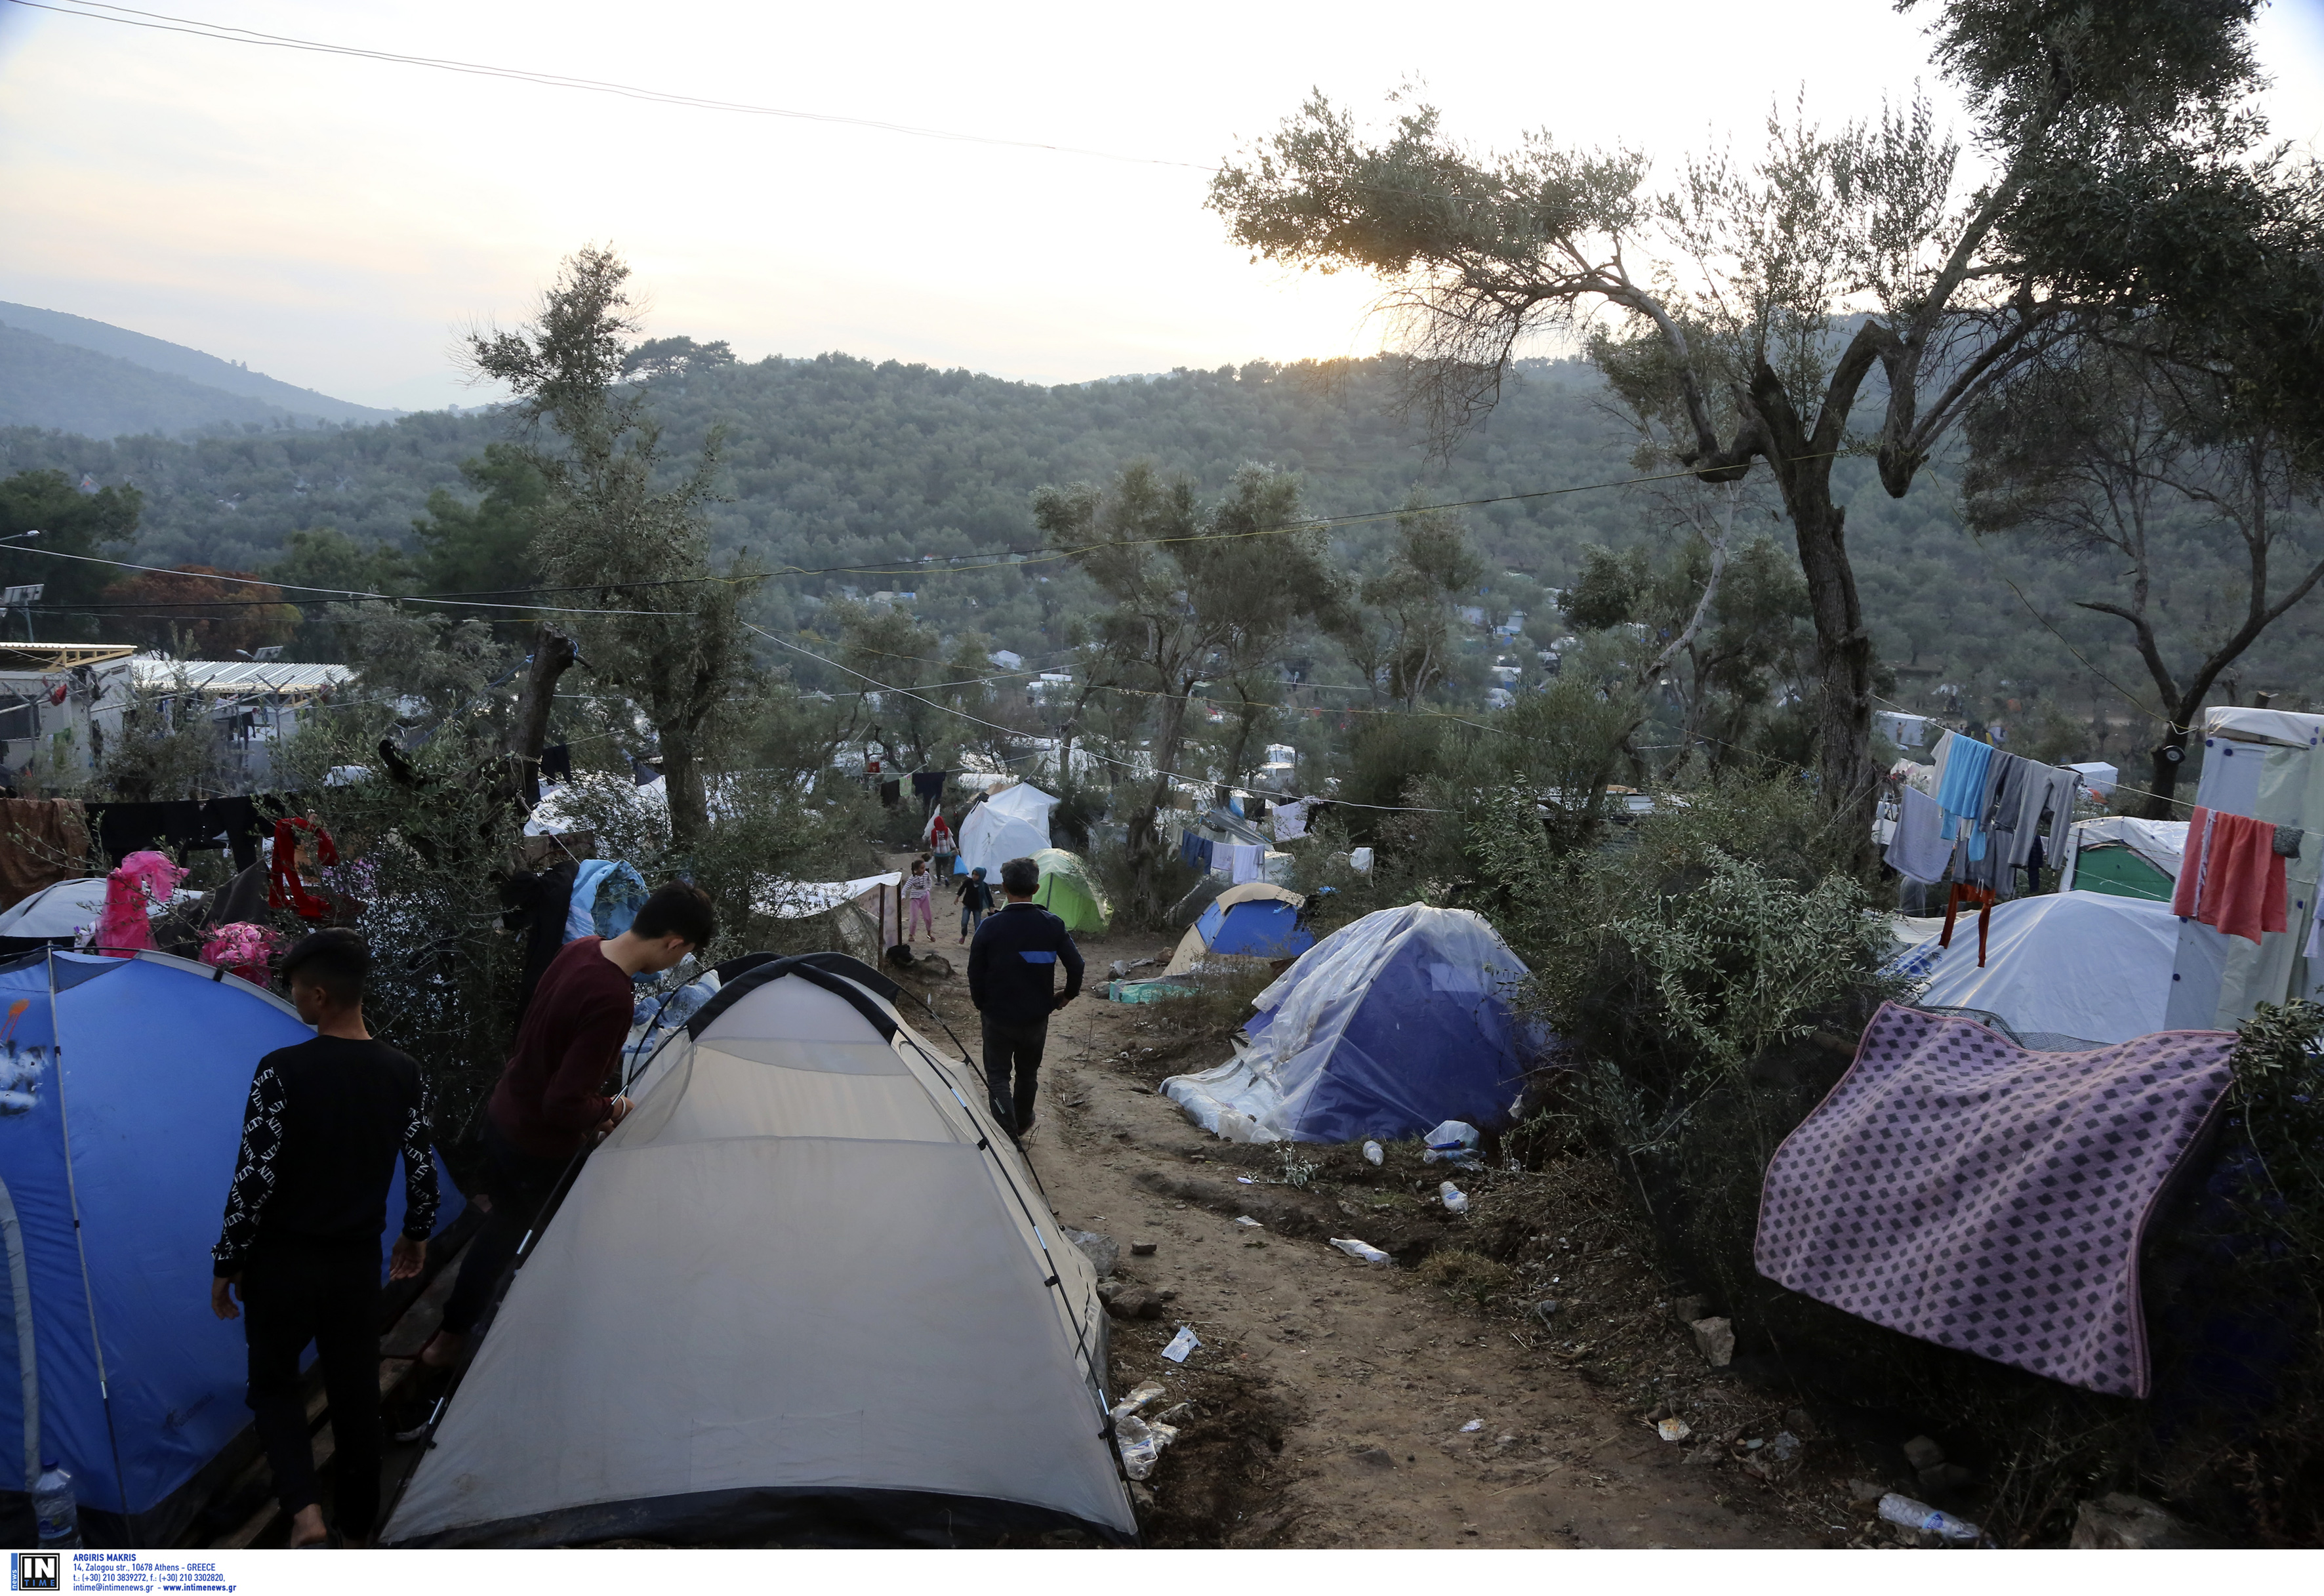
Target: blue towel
x=1961 y=794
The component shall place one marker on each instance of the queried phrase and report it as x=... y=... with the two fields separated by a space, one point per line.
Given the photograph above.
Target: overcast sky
x=335 y=223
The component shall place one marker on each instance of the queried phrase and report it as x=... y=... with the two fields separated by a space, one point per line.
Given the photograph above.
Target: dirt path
x=1331 y=1402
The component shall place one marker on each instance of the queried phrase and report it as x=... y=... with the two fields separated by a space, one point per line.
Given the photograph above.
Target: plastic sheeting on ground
x=1386 y=1026
x=1068 y=892
x=1257 y=920
x=118 y=1217
x=1012 y=824
x=2086 y=966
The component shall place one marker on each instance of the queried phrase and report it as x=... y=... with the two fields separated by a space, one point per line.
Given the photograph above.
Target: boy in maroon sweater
x=551 y=1100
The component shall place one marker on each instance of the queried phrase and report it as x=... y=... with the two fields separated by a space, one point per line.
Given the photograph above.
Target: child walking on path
x=920 y=902
x=975 y=899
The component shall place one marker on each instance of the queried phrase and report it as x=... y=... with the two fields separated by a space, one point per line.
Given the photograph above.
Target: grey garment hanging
x=2005 y=789
x=20 y=1292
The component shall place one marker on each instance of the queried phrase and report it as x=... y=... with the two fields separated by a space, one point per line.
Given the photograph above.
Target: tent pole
x=88 y=1289
x=19 y=1286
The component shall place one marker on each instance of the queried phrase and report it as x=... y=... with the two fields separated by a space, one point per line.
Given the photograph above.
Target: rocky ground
x=1434 y=1401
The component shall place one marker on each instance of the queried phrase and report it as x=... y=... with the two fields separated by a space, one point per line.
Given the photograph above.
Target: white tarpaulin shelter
x=1012 y=824
x=798 y=900
x=67 y=908
x=808 y=1292
x=1389 y=1026
x=2085 y=965
x=869 y=913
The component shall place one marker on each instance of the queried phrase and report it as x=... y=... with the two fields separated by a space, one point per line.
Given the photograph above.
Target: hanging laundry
x=2231 y=877
x=144 y=880
x=927 y=785
x=1291 y=820
x=43 y=842
x=1248 y=863
x=556 y=763
x=607 y=896
x=237 y=820
x=1962 y=795
x=1918 y=852
x=286 y=872
x=243 y=949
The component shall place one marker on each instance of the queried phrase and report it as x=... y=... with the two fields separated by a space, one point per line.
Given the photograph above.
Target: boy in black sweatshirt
x=326 y=1122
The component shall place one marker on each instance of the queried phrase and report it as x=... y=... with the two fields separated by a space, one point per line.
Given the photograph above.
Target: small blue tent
x=1257 y=920
x=131 y=1129
x=1388 y=1026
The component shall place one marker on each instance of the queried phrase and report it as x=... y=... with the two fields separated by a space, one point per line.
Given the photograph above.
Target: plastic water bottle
x=53 y=1505
x=1374 y=1152
x=1912 y=1515
x=1456 y=1201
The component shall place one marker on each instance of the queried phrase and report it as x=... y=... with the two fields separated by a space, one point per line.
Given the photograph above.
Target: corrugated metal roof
x=38 y=656
x=240 y=676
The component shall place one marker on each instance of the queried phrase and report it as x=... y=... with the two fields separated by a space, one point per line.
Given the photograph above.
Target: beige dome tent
x=808 y=1292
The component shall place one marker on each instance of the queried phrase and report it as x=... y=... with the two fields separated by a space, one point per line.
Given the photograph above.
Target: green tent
x=2122 y=871
x=1068 y=892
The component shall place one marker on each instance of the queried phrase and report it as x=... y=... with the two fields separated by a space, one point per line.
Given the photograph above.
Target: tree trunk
x=1145 y=838
x=1850 y=786
x=553 y=653
x=682 y=770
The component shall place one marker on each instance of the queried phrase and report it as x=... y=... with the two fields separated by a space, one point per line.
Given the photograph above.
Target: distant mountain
x=46 y=384
x=156 y=354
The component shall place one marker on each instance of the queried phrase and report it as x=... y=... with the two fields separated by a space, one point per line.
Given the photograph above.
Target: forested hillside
x=835 y=461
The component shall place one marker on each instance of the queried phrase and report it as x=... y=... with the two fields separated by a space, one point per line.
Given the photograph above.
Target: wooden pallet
x=398 y=1365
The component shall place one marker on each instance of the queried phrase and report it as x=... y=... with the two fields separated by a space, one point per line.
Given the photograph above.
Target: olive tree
x=665 y=627
x=1195 y=592
x=1764 y=298
x=2152 y=469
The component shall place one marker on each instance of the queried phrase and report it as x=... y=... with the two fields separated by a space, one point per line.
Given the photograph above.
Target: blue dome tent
x=1257 y=920
x=1388 y=1026
x=116 y=1151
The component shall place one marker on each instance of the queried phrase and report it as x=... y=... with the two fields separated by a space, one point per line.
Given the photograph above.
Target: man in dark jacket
x=327 y=1121
x=1011 y=968
x=552 y=1100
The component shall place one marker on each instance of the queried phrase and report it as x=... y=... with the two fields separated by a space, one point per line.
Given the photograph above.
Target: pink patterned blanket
x=1961 y=1189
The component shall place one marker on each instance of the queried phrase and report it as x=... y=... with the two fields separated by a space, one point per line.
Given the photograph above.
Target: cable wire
x=127 y=16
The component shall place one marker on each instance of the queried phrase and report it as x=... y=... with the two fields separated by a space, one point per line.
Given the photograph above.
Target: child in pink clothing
x=920 y=902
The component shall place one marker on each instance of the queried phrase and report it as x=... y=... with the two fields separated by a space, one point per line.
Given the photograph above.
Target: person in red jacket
x=551 y=1100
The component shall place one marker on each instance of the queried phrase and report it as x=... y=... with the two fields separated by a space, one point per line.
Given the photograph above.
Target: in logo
x=36 y=1571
